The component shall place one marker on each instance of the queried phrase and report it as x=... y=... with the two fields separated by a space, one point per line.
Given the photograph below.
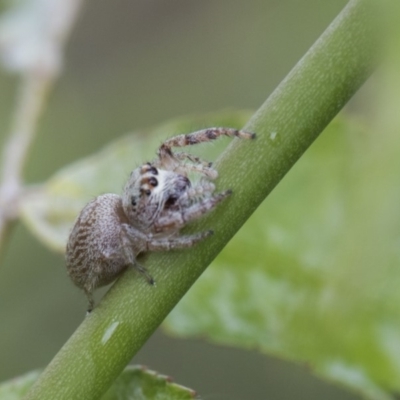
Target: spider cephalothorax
x=149 y=192
x=158 y=200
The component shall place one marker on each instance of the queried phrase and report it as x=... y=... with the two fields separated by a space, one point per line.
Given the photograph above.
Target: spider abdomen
x=95 y=250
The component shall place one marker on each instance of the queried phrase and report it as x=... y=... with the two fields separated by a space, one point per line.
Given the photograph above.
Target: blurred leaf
x=16 y=388
x=135 y=383
x=51 y=210
x=32 y=32
x=314 y=275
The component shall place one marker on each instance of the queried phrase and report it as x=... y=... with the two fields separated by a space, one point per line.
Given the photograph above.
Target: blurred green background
x=134 y=64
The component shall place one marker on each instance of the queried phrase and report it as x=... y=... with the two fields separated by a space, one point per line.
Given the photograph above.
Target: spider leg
x=180 y=242
x=205 y=135
x=151 y=243
x=178 y=218
x=135 y=242
x=167 y=159
x=184 y=168
x=197 y=165
x=144 y=272
x=89 y=296
x=201 y=189
x=196 y=160
x=175 y=162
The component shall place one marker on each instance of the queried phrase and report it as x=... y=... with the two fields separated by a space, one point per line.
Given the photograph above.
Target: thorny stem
x=286 y=125
x=35 y=86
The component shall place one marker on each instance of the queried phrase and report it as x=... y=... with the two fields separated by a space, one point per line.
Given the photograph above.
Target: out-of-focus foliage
x=31 y=34
x=141 y=384
x=134 y=383
x=51 y=210
x=17 y=388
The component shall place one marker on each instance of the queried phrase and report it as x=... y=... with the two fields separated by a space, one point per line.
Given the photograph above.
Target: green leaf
x=32 y=34
x=314 y=276
x=16 y=388
x=135 y=383
x=50 y=210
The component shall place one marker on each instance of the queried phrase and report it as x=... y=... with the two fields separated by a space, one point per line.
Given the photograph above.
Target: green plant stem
x=286 y=125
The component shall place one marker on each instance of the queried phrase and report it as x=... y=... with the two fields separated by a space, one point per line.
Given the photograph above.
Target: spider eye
x=153 y=170
x=146 y=192
x=171 y=201
x=153 y=182
x=133 y=201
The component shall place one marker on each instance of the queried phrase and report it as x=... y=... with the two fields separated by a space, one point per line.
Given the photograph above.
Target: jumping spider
x=158 y=200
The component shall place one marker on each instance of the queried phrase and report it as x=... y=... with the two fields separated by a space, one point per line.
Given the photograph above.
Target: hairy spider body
x=158 y=200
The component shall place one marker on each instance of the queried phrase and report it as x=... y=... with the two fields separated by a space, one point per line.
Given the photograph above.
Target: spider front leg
x=196 y=160
x=200 y=190
x=168 y=160
x=150 y=243
x=197 y=165
x=176 y=162
x=176 y=219
x=180 y=242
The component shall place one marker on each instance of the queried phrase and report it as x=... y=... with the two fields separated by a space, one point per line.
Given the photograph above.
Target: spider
x=157 y=202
